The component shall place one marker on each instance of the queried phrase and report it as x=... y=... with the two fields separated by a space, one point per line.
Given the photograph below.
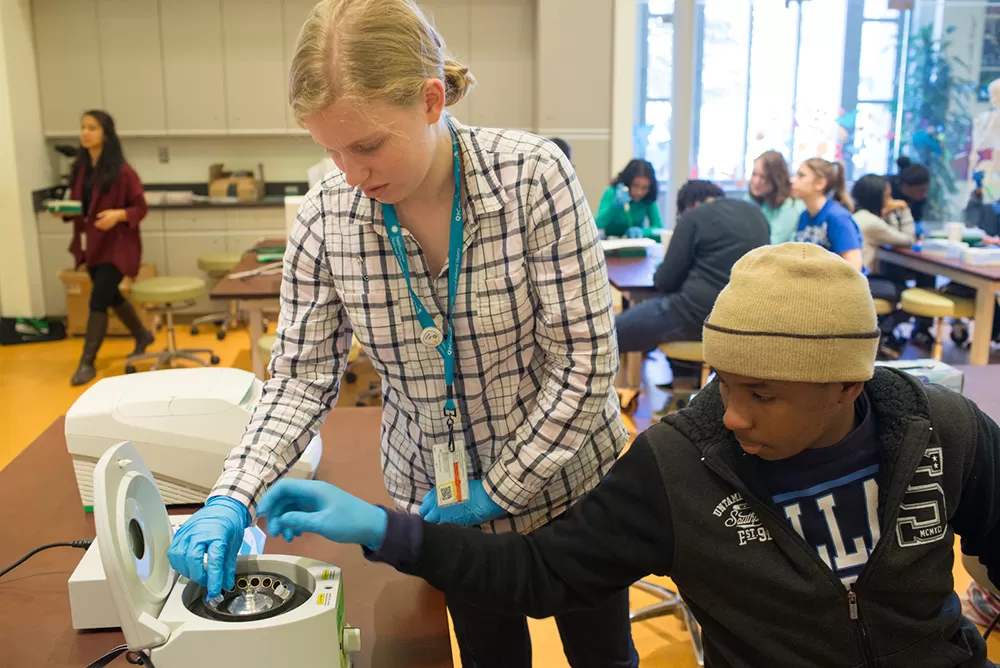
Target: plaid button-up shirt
x=535 y=347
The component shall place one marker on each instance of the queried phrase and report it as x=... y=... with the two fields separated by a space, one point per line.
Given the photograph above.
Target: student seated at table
x=711 y=234
x=805 y=504
x=983 y=215
x=628 y=206
x=827 y=219
x=771 y=190
x=883 y=221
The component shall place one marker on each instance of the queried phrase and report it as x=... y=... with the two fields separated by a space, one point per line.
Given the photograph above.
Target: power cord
x=82 y=544
x=139 y=658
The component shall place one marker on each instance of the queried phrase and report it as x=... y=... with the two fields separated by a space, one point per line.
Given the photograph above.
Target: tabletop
x=402 y=619
x=634 y=274
x=986 y=273
x=254 y=287
x=981 y=386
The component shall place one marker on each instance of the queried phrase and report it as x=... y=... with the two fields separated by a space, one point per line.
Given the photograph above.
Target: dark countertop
x=274 y=195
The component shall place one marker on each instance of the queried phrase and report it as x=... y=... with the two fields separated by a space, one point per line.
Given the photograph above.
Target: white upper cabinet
x=132 y=64
x=254 y=59
x=296 y=13
x=193 y=69
x=67 y=50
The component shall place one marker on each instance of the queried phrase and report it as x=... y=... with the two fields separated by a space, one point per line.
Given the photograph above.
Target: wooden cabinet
x=132 y=64
x=269 y=220
x=296 y=13
x=501 y=54
x=67 y=49
x=452 y=21
x=253 y=47
x=154 y=249
x=193 y=71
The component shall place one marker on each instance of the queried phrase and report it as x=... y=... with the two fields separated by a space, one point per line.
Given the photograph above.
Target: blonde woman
x=467 y=264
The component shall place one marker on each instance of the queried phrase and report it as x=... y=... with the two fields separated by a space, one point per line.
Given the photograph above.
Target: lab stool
x=164 y=294
x=671 y=604
x=218 y=266
x=930 y=304
x=883 y=306
x=685 y=351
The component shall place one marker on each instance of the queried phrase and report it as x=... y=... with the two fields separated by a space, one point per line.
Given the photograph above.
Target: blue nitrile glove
x=215 y=530
x=478 y=509
x=622 y=196
x=294 y=507
x=634 y=233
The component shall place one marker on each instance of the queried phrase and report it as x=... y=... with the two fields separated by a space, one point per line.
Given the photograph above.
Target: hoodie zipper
x=782 y=525
x=855 y=613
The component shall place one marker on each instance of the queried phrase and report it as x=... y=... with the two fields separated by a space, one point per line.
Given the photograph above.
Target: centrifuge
x=283 y=610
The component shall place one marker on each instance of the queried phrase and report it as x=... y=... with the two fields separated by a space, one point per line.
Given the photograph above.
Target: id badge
x=451 y=479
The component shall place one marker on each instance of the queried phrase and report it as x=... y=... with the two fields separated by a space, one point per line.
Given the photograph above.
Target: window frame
x=855 y=22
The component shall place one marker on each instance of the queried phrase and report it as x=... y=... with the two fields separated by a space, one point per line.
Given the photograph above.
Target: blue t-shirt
x=833 y=228
x=830 y=495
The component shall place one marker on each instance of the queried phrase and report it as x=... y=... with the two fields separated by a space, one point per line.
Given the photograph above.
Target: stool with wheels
x=217 y=266
x=930 y=304
x=671 y=604
x=883 y=306
x=165 y=294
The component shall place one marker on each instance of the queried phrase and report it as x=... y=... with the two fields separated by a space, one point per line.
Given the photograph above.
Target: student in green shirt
x=628 y=207
x=771 y=190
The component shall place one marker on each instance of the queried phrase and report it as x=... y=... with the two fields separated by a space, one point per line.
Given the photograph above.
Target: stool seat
x=167 y=289
x=931 y=304
x=884 y=307
x=686 y=351
x=219 y=263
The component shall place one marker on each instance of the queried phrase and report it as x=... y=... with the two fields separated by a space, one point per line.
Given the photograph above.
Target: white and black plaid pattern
x=535 y=348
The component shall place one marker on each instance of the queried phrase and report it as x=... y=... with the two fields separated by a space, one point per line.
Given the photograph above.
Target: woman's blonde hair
x=834 y=175
x=370 y=50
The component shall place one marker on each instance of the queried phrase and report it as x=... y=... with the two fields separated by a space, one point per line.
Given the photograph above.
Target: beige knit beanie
x=794 y=312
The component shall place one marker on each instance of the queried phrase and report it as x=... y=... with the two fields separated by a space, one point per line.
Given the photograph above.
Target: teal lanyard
x=447 y=345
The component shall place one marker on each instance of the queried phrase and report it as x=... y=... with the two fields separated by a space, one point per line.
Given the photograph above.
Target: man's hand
x=478 y=509
x=109 y=218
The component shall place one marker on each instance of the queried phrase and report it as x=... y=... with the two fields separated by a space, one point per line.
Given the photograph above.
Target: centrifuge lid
x=134 y=533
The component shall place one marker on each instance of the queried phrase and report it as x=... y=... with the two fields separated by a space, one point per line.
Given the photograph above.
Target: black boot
x=143 y=337
x=97 y=327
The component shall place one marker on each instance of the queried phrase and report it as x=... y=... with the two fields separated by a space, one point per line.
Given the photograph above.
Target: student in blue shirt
x=827 y=219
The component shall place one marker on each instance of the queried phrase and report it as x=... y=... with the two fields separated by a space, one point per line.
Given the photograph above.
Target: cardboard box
x=247 y=187
x=78 y=285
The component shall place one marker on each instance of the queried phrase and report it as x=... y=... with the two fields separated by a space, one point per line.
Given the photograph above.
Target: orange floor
x=35 y=390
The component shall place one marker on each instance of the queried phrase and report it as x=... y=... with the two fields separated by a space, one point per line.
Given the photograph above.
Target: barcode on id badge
x=446 y=492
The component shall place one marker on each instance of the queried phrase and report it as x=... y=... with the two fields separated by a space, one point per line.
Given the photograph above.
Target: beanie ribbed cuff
x=804 y=358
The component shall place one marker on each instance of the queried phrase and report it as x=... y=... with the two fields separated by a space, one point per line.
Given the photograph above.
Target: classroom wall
x=23 y=164
x=543 y=66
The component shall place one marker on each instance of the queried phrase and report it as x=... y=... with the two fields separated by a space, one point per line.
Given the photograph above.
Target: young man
x=805 y=504
x=711 y=234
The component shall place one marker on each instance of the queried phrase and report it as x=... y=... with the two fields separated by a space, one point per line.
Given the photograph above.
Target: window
x=775 y=77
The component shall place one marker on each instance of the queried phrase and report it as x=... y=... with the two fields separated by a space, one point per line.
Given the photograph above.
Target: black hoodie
x=769 y=601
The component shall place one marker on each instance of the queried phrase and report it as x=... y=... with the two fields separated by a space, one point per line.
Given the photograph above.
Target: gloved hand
x=622 y=196
x=293 y=507
x=634 y=233
x=216 y=530
x=478 y=509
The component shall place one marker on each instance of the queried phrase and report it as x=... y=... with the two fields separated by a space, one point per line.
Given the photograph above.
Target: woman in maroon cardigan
x=106 y=235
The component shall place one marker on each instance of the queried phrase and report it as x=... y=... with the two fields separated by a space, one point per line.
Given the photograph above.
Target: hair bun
x=458 y=81
x=903 y=162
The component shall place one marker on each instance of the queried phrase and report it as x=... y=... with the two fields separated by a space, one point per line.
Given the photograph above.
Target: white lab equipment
x=183 y=421
x=283 y=610
x=90 y=602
